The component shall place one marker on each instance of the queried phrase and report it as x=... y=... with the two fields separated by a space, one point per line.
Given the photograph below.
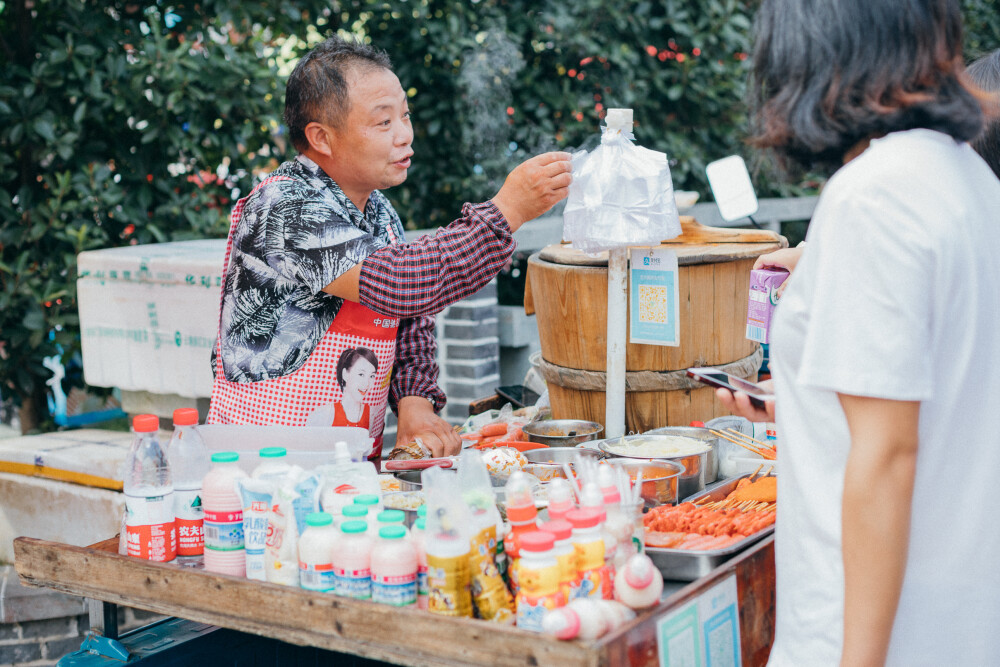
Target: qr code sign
x=653 y=304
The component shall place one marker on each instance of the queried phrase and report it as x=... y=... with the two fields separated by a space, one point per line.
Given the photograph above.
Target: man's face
x=371 y=149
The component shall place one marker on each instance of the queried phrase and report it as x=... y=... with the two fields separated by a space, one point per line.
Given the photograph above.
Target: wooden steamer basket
x=568 y=292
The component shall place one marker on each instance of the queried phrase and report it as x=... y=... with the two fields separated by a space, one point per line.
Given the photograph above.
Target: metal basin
x=660 y=480
x=547 y=464
x=562 y=432
x=699 y=469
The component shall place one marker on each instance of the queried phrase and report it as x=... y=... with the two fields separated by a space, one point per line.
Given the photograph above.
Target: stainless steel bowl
x=407 y=502
x=712 y=469
x=699 y=469
x=562 y=432
x=660 y=480
x=547 y=464
x=409 y=480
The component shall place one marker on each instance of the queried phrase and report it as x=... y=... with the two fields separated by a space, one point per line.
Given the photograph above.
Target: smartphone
x=717 y=378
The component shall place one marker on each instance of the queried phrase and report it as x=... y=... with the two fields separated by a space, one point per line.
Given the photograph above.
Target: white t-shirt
x=895 y=297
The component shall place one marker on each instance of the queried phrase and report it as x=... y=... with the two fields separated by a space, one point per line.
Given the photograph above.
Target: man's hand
x=533 y=187
x=739 y=404
x=786 y=258
x=416 y=418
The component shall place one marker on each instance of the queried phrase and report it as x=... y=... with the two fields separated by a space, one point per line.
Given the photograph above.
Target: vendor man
x=326 y=312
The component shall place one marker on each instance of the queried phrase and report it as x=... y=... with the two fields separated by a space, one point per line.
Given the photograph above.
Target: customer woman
x=885 y=351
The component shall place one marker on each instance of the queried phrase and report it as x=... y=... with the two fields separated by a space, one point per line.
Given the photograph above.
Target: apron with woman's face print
x=312 y=395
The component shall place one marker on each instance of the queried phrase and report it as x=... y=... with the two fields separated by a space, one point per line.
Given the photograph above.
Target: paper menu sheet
x=705 y=632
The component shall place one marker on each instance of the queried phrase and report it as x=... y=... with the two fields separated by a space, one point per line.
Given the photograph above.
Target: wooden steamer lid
x=697 y=244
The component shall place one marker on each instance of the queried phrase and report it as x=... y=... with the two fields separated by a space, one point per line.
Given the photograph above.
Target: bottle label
x=317 y=577
x=190 y=528
x=593 y=584
x=353 y=583
x=567 y=573
x=255 y=538
x=397 y=590
x=589 y=555
x=532 y=609
x=448 y=585
x=538 y=582
x=224 y=530
x=422 y=580
x=150 y=531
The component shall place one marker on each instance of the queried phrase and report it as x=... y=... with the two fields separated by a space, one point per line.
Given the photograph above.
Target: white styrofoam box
x=149 y=316
x=90 y=457
x=308 y=446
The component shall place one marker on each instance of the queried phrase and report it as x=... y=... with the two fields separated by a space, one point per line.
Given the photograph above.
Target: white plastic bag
x=621 y=194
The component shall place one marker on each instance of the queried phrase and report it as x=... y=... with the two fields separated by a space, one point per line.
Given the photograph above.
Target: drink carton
x=764 y=284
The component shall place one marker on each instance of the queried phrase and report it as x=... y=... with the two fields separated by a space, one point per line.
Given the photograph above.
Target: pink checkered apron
x=297 y=398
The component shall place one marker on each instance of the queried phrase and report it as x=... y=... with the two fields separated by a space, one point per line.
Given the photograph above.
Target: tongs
x=421 y=464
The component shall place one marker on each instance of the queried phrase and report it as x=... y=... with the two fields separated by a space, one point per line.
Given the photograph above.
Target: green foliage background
x=140 y=122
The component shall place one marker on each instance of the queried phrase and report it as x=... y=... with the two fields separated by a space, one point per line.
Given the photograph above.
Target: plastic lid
x=537 y=541
x=421 y=524
x=392 y=532
x=272 y=452
x=391 y=516
x=225 y=457
x=422 y=511
x=562 y=530
x=560 y=492
x=318 y=519
x=612 y=497
x=521 y=514
x=585 y=517
x=185 y=417
x=355 y=511
x=351 y=527
x=366 y=499
x=146 y=423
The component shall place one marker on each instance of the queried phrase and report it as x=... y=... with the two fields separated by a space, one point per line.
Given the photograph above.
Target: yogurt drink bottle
x=352 y=555
x=417 y=538
x=565 y=554
x=150 y=531
x=394 y=568
x=224 y=548
x=316 y=553
x=539 y=576
x=273 y=463
x=189 y=463
x=588 y=542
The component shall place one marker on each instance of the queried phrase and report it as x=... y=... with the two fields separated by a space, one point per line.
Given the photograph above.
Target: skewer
x=767 y=454
x=749 y=437
x=756 y=471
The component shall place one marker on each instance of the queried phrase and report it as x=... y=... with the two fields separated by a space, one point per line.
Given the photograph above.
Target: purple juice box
x=764 y=284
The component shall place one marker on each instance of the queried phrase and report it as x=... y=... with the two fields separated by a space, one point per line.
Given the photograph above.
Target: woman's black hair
x=828 y=74
x=317 y=89
x=347 y=359
x=985 y=73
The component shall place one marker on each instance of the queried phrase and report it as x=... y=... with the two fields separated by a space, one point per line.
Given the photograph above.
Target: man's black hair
x=317 y=89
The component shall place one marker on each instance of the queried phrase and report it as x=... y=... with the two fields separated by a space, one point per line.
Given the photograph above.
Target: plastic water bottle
x=149 y=495
x=189 y=464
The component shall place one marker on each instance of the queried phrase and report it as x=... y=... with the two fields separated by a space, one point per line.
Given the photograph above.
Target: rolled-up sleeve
x=426 y=276
x=415 y=372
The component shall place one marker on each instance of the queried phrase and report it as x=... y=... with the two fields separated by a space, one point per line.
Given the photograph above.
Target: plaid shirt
x=301 y=232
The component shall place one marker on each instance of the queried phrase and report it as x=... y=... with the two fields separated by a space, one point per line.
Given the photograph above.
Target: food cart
x=740 y=592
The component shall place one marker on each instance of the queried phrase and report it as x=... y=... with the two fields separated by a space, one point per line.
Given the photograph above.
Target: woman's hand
x=739 y=403
x=786 y=258
x=417 y=419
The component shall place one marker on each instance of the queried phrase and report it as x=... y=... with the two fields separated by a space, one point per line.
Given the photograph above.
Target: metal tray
x=685 y=565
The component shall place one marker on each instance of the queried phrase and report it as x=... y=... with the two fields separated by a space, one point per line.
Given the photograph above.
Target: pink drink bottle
x=224 y=549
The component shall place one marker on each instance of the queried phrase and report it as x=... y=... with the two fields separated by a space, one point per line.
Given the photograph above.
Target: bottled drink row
x=580 y=573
